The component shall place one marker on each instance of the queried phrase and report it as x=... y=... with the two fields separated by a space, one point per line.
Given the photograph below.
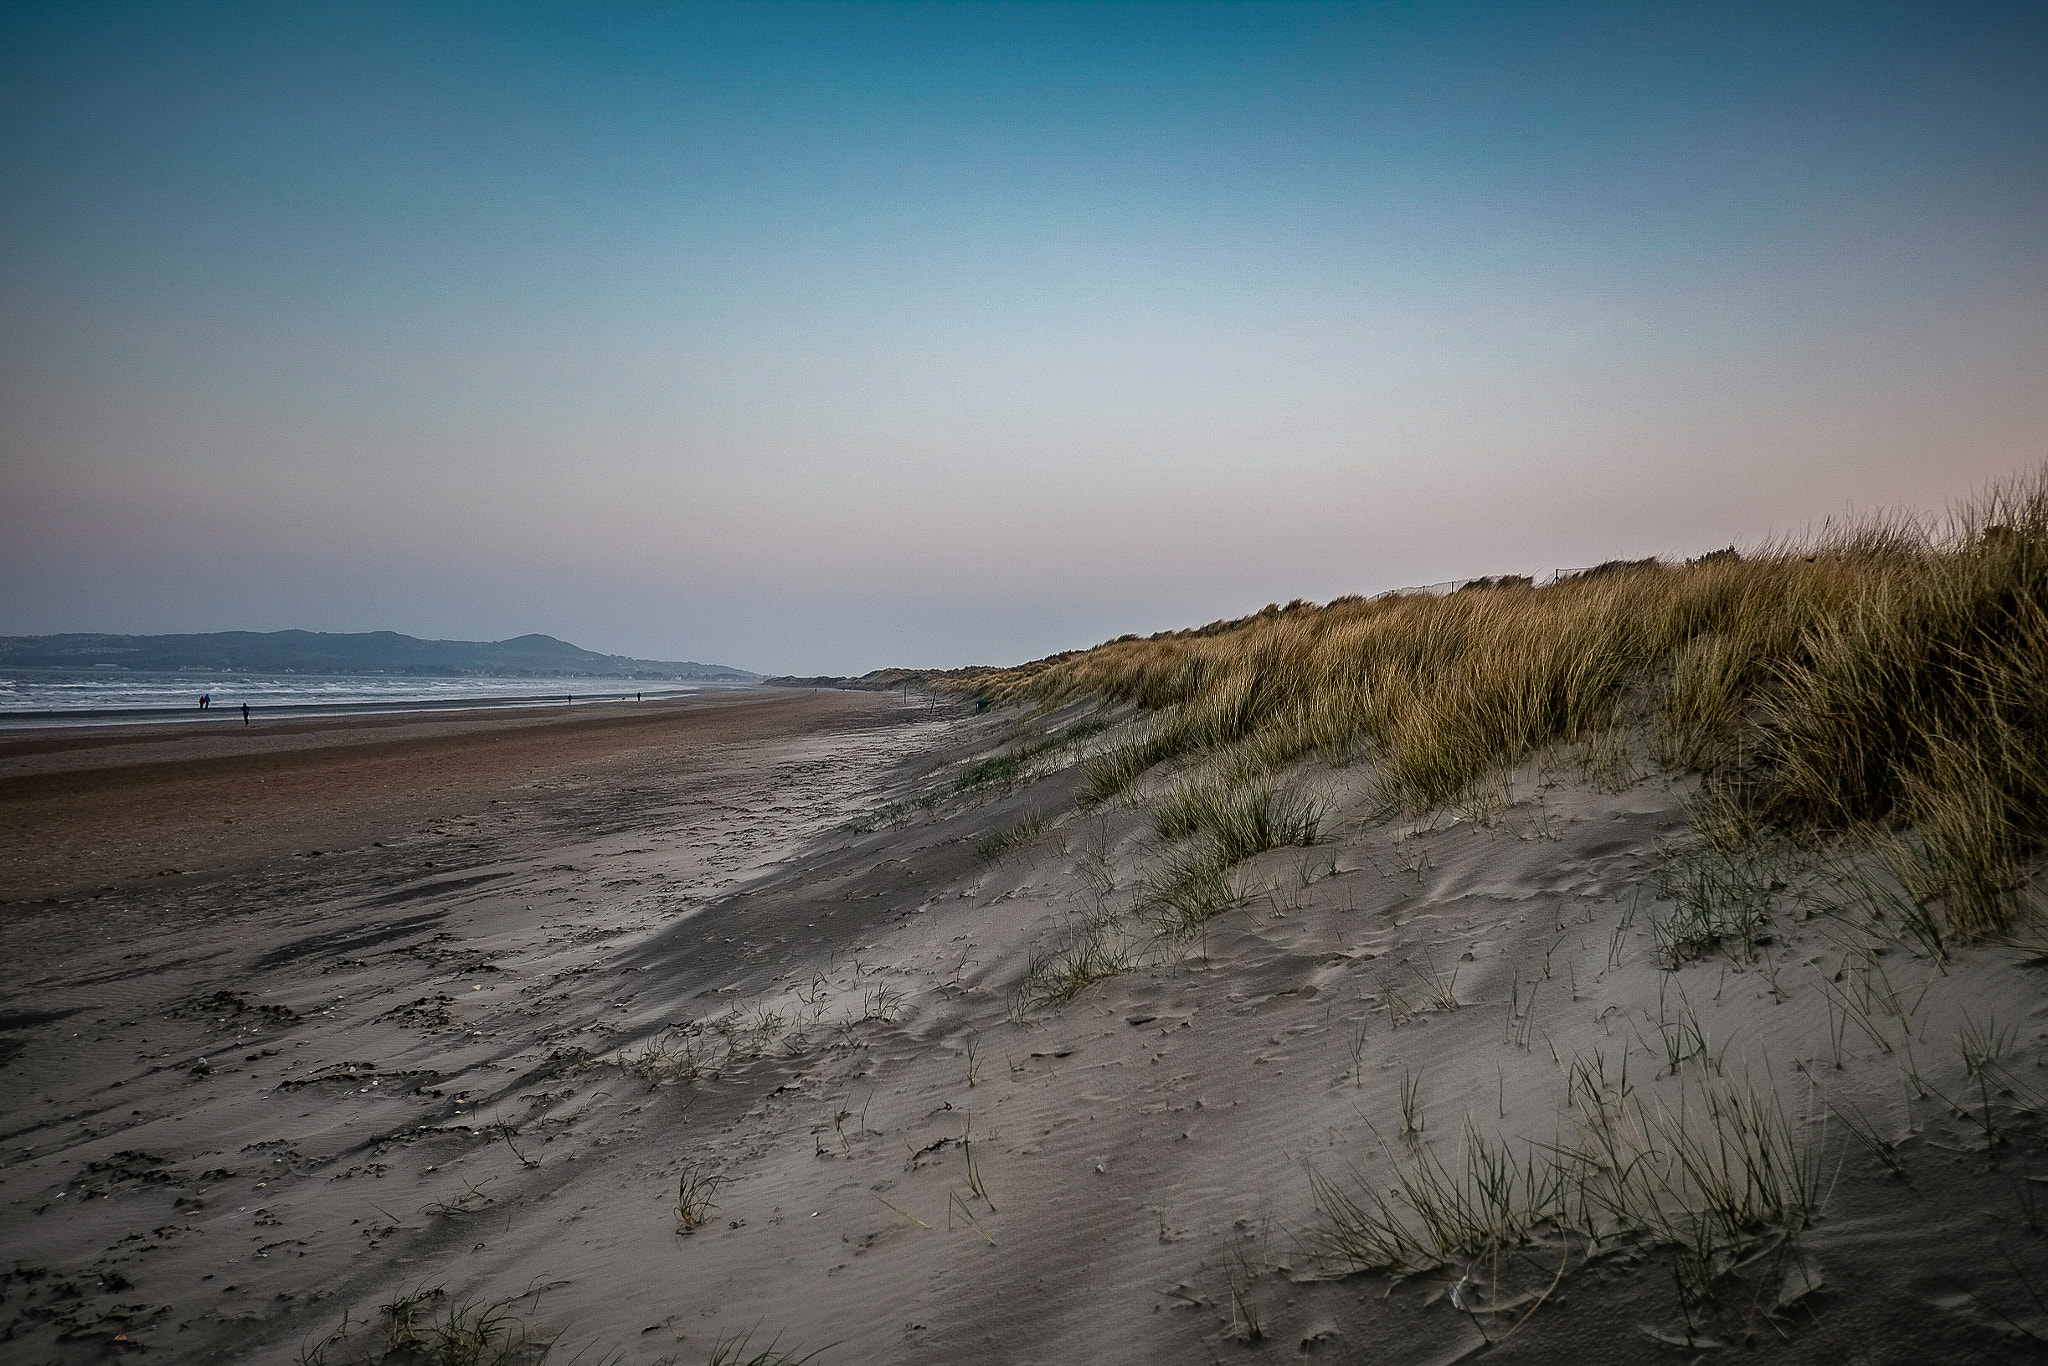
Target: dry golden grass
x=1886 y=677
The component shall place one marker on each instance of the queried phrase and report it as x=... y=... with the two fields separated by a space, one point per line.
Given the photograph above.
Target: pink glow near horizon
x=816 y=371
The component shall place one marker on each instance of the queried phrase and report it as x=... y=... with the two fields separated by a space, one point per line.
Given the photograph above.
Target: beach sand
x=90 y=809
x=547 y=969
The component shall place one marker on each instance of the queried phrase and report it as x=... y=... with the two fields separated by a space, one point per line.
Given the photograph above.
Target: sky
x=816 y=338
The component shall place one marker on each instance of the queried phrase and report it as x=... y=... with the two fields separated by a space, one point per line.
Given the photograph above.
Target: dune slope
x=879 y=1040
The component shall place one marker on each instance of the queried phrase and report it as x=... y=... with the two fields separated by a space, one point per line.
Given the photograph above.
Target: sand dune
x=787 y=971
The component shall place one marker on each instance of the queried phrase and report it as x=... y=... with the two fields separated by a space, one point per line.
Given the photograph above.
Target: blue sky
x=821 y=337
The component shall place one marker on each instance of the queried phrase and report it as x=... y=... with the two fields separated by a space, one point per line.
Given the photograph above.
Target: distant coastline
x=345 y=653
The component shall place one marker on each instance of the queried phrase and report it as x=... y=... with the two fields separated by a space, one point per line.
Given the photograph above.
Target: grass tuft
x=1087 y=951
x=428 y=1328
x=694 y=1189
x=1007 y=769
x=997 y=843
x=1212 y=825
x=1107 y=778
x=1708 y=1180
x=1717 y=898
x=740 y=1351
x=1239 y=820
x=1187 y=891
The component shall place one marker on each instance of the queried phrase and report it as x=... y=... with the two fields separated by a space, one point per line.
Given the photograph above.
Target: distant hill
x=365 y=652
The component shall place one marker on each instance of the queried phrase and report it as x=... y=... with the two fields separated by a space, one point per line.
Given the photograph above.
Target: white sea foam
x=96 y=689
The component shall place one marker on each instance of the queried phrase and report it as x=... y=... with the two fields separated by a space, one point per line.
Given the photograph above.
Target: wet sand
x=89 y=810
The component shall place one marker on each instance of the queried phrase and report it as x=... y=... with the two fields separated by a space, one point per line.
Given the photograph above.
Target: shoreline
x=87 y=809
x=86 y=717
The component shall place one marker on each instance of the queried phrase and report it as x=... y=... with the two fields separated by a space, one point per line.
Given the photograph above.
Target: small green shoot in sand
x=1679 y=1031
x=1191 y=888
x=427 y=1328
x=1247 y=1324
x=1981 y=1045
x=510 y=1133
x=882 y=1004
x=974 y=1181
x=957 y=1204
x=1717 y=898
x=1865 y=1133
x=1399 y=1009
x=739 y=1350
x=1441 y=988
x=694 y=1189
x=671 y=1056
x=1000 y=842
x=1013 y=766
x=473 y=1200
x=1087 y=951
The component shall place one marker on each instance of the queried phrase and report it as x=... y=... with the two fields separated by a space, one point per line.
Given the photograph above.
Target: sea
x=58 y=696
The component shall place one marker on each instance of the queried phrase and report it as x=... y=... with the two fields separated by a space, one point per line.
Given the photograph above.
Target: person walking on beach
x=203 y=700
x=245 y=713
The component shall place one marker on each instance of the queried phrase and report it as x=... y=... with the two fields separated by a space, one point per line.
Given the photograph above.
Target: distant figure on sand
x=204 y=701
x=245 y=713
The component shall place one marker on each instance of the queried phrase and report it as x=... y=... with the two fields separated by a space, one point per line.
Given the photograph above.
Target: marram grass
x=1873 y=679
